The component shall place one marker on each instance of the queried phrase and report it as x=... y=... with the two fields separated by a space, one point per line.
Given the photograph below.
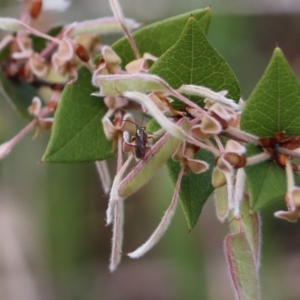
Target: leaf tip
x=278 y=52
x=45 y=157
x=208 y=9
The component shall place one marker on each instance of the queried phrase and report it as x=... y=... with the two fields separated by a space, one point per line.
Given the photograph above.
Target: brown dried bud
x=270 y=150
x=281 y=159
x=242 y=163
x=35 y=8
x=279 y=137
x=82 y=53
x=291 y=146
x=267 y=142
x=236 y=160
x=295 y=140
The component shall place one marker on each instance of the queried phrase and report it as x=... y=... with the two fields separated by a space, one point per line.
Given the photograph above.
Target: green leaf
x=242 y=266
x=85 y=140
x=266 y=181
x=193 y=60
x=77 y=134
x=273 y=106
x=160 y=36
x=18 y=94
x=195 y=188
x=152 y=126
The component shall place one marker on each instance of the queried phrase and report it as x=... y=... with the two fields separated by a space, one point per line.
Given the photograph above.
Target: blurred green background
x=53 y=242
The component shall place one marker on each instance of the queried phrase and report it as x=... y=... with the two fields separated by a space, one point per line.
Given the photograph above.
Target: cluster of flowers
x=182 y=132
x=53 y=66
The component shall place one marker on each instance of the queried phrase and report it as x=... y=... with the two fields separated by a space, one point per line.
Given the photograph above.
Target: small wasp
x=140 y=139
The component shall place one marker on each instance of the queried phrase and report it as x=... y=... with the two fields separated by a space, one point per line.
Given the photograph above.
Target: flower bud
x=35 y=8
x=236 y=160
x=82 y=53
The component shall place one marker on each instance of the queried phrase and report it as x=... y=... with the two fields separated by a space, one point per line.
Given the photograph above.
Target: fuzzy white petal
x=208 y=93
x=289 y=175
x=164 y=224
x=239 y=191
x=117 y=10
x=230 y=188
x=114 y=195
x=103 y=172
x=117 y=239
x=101 y=26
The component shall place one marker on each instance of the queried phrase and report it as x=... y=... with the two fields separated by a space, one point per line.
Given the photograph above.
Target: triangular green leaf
x=160 y=36
x=19 y=94
x=196 y=62
x=273 y=106
x=195 y=188
x=85 y=140
x=77 y=133
x=193 y=60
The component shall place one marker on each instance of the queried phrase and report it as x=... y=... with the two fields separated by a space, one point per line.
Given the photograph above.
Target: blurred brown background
x=53 y=242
